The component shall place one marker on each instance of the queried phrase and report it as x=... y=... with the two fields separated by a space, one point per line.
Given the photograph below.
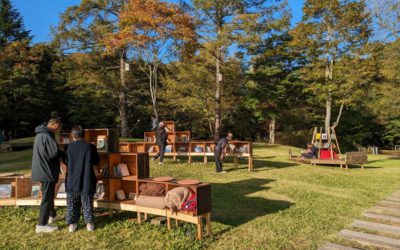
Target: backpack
x=190 y=204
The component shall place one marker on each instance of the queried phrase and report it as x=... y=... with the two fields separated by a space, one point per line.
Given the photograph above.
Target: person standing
x=220 y=151
x=81 y=158
x=162 y=141
x=46 y=170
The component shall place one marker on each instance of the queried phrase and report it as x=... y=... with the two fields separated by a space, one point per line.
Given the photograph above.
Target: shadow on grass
x=259 y=164
x=233 y=205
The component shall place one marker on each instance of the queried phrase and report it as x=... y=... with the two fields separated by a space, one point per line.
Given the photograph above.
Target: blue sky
x=39 y=15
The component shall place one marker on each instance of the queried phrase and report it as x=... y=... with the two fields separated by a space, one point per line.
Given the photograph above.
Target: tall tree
x=330 y=30
x=11 y=25
x=153 y=32
x=386 y=14
x=228 y=24
x=86 y=28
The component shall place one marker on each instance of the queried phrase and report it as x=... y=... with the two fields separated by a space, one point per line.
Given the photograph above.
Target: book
x=101 y=143
x=198 y=149
x=151 y=149
x=104 y=172
x=5 y=191
x=182 y=149
x=61 y=194
x=168 y=149
x=35 y=191
x=120 y=195
x=209 y=149
x=100 y=191
x=131 y=196
x=123 y=169
x=117 y=171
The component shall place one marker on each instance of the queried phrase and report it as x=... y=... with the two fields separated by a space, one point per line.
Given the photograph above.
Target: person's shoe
x=222 y=172
x=45 y=229
x=72 y=227
x=160 y=163
x=52 y=219
x=90 y=227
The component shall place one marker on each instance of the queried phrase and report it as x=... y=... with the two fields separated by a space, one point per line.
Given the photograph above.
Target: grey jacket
x=45 y=160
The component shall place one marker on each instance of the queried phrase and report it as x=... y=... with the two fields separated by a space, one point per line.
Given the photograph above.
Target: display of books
x=120 y=195
x=198 y=149
x=35 y=191
x=61 y=194
x=121 y=170
x=100 y=191
x=5 y=191
x=168 y=149
x=101 y=143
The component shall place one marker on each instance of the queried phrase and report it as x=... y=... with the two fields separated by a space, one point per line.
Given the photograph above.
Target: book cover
x=35 y=191
x=117 y=171
x=123 y=168
x=5 y=190
x=151 y=149
x=131 y=196
x=100 y=191
x=168 y=149
x=120 y=195
x=101 y=143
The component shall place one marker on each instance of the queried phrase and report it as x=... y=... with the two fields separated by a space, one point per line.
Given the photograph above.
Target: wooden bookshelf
x=112 y=138
x=138 y=164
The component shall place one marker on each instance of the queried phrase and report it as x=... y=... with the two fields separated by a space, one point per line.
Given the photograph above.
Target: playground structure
x=326 y=144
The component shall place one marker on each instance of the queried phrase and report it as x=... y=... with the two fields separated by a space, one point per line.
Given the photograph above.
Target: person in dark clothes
x=81 y=158
x=46 y=170
x=220 y=151
x=162 y=141
x=311 y=152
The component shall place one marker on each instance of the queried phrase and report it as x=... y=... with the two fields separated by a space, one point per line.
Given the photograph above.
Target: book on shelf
x=101 y=143
x=209 y=149
x=61 y=194
x=131 y=196
x=104 y=171
x=100 y=191
x=198 y=149
x=168 y=149
x=35 y=191
x=5 y=191
x=182 y=149
x=121 y=170
x=120 y=195
x=151 y=149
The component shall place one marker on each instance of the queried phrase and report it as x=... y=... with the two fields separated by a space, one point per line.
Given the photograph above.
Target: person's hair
x=161 y=124
x=54 y=121
x=229 y=135
x=77 y=132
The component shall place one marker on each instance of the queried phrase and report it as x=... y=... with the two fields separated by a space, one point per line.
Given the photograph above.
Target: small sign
x=126 y=66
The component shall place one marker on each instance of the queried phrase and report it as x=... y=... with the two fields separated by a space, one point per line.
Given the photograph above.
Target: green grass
x=281 y=205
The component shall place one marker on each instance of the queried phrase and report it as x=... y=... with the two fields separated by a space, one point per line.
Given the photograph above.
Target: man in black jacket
x=161 y=140
x=220 y=151
x=46 y=169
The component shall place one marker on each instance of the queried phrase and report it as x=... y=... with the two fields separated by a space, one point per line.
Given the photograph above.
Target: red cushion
x=326 y=154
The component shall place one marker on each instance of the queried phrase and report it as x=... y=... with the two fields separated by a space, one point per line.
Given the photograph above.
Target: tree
x=11 y=25
x=86 y=28
x=331 y=30
x=229 y=24
x=153 y=31
x=387 y=15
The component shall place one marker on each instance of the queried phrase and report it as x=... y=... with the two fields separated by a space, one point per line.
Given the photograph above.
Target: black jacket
x=81 y=156
x=161 y=136
x=45 y=160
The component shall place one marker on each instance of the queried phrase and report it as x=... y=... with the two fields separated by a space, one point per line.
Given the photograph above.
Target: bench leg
x=205 y=160
x=208 y=222
x=110 y=212
x=146 y=217
x=169 y=223
x=199 y=228
x=235 y=160
x=139 y=217
x=362 y=166
x=177 y=223
x=190 y=159
x=347 y=166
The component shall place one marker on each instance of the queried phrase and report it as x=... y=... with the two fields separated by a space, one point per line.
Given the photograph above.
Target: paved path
x=379 y=229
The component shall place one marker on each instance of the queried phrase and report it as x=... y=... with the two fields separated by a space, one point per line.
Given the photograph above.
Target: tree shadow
x=233 y=204
x=261 y=164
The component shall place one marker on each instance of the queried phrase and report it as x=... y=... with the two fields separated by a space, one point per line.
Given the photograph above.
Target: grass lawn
x=281 y=205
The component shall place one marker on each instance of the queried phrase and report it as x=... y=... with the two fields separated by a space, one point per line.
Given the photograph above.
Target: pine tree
x=11 y=25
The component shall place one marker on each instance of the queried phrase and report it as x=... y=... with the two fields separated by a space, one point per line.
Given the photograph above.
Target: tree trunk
x=217 y=128
x=123 y=102
x=272 y=131
x=153 y=83
x=328 y=114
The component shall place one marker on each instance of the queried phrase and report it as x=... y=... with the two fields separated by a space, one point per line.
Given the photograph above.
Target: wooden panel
x=131 y=161
x=203 y=198
x=111 y=134
x=356 y=157
x=23 y=187
x=114 y=185
x=143 y=169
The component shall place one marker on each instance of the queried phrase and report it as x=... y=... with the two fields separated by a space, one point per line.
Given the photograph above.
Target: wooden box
x=111 y=135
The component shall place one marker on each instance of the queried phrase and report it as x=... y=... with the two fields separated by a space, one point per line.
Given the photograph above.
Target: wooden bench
x=351 y=158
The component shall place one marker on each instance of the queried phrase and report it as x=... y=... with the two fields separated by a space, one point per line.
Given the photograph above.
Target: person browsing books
x=46 y=169
x=220 y=151
x=161 y=140
x=81 y=159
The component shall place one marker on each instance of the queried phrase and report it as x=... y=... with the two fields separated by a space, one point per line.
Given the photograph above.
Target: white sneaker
x=51 y=220
x=72 y=227
x=90 y=227
x=45 y=229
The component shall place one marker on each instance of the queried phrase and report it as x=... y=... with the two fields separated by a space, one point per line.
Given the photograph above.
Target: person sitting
x=311 y=152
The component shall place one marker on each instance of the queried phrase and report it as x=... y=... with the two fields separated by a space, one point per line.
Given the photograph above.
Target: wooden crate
x=111 y=135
